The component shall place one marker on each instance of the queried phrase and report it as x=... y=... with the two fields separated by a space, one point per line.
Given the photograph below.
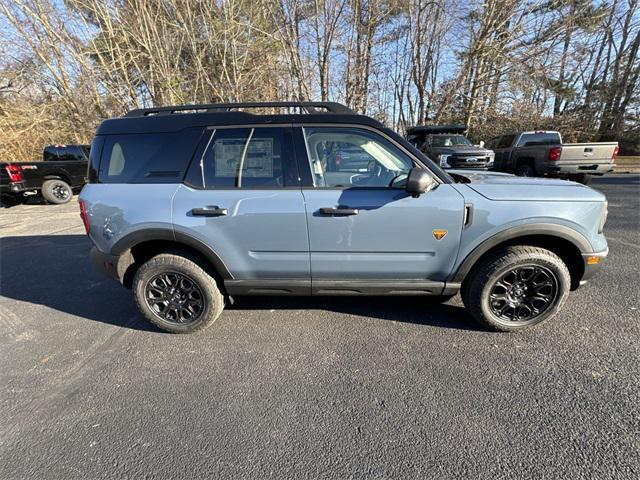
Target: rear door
x=242 y=198
x=366 y=233
x=502 y=150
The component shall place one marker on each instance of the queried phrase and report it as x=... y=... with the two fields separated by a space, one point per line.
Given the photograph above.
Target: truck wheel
x=56 y=191
x=174 y=293
x=583 y=178
x=525 y=170
x=516 y=288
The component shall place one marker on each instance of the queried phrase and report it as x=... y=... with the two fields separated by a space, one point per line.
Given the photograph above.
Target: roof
x=174 y=118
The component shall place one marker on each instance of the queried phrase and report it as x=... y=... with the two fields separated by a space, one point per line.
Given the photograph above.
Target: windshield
x=449 y=140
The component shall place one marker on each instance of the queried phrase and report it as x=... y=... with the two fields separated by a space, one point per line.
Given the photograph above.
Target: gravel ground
x=310 y=388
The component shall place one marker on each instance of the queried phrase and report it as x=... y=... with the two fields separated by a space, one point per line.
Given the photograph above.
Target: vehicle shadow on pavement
x=410 y=309
x=54 y=271
x=8 y=202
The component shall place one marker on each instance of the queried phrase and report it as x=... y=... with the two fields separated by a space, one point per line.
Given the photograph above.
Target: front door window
x=352 y=157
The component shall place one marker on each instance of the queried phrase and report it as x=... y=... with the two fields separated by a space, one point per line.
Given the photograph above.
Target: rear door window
x=70 y=153
x=505 y=141
x=248 y=158
x=147 y=157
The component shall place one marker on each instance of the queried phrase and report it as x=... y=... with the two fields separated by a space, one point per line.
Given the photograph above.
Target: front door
x=364 y=229
x=242 y=197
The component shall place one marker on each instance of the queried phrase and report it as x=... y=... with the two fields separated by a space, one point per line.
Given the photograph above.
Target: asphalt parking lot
x=310 y=388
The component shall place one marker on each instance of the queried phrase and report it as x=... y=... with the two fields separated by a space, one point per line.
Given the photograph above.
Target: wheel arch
x=137 y=247
x=568 y=244
x=525 y=160
x=57 y=176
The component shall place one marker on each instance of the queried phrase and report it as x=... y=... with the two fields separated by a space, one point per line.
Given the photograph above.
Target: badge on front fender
x=439 y=234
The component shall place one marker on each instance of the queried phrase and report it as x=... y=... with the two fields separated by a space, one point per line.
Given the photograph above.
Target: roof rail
x=309 y=107
x=435 y=129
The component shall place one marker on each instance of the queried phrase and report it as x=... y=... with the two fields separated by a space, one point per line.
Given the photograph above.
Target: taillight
x=83 y=215
x=14 y=172
x=615 y=152
x=554 y=153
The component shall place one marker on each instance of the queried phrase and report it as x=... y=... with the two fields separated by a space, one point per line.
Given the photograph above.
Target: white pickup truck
x=542 y=153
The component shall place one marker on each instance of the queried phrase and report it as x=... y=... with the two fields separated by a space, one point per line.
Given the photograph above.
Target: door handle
x=338 y=211
x=213 y=211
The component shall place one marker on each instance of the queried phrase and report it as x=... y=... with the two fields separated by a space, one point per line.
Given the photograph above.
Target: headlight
x=603 y=217
x=443 y=161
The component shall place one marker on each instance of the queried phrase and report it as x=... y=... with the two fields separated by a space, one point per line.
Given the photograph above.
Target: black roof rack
x=435 y=129
x=309 y=107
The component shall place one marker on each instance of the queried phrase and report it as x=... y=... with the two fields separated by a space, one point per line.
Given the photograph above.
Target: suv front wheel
x=517 y=287
x=174 y=293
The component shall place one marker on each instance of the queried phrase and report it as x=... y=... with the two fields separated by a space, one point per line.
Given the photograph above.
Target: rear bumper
x=112 y=266
x=574 y=168
x=12 y=188
x=592 y=264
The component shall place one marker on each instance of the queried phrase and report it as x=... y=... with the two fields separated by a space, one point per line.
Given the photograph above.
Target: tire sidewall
x=206 y=284
x=563 y=286
x=49 y=196
x=525 y=170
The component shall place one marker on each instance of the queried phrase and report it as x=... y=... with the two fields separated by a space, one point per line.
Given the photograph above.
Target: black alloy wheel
x=523 y=293
x=61 y=191
x=175 y=298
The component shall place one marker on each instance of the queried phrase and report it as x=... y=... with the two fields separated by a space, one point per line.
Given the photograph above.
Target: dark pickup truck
x=63 y=170
x=542 y=154
x=447 y=146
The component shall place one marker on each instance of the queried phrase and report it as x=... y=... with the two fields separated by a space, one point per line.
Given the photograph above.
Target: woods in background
x=493 y=65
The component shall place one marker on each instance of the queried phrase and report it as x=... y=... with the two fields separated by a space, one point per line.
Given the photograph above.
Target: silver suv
x=190 y=206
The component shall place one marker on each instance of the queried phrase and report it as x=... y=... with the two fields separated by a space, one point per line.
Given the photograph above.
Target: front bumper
x=592 y=264
x=468 y=166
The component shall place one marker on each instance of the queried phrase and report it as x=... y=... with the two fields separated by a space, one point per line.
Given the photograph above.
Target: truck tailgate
x=30 y=174
x=587 y=152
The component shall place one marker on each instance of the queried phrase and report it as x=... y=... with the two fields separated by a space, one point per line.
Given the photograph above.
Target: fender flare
x=58 y=175
x=129 y=241
x=547 y=229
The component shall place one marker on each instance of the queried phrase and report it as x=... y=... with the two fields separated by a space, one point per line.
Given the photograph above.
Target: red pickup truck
x=63 y=170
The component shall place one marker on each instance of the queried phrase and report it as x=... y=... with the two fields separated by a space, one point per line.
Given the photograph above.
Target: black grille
x=468 y=161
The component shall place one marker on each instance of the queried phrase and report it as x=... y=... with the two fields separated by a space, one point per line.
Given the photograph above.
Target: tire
x=194 y=303
x=525 y=170
x=583 y=178
x=56 y=191
x=508 y=275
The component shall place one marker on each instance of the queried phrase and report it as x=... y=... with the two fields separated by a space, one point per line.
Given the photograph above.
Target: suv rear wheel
x=174 y=293
x=518 y=287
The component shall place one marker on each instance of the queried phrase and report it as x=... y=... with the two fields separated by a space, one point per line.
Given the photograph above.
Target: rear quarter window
x=147 y=157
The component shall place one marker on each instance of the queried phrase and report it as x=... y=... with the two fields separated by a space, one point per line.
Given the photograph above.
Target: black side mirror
x=419 y=182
